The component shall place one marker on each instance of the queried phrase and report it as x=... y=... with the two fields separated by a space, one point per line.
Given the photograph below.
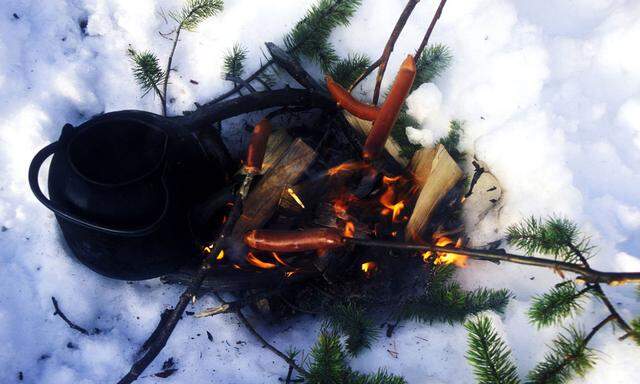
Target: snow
x=549 y=92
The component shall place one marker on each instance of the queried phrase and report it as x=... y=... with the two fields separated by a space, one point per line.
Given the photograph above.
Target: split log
x=278 y=143
x=262 y=201
x=435 y=172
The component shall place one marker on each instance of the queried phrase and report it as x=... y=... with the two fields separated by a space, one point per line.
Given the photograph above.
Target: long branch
x=586 y=274
x=388 y=48
x=425 y=39
x=167 y=324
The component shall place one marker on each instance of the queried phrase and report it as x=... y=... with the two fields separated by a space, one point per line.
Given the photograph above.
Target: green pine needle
x=635 y=330
x=146 y=70
x=488 y=354
x=380 y=377
x=451 y=142
x=347 y=70
x=195 y=11
x=569 y=356
x=450 y=303
x=328 y=363
x=310 y=36
x=234 y=61
x=554 y=306
x=434 y=60
x=350 y=320
x=555 y=236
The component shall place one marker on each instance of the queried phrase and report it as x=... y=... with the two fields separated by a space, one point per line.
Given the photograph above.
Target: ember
x=447 y=257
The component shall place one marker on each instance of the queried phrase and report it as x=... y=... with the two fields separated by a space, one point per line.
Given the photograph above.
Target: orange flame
x=253 y=260
x=220 y=255
x=387 y=199
x=289 y=273
x=295 y=197
x=349 y=229
x=369 y=268
x=278 y=259
x=447 y=257
x=348 y=166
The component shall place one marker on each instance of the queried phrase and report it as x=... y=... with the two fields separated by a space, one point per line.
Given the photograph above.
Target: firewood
x=435 y=173
x=262 y=201
x=278 y=143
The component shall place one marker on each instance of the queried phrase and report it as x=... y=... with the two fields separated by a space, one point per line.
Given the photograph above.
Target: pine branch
x=310 y=36
x=234 y=61
x=328 y=362
x=451 y=142
x=147 y=72
x=196 y=11
x=380 y=377
x=635 y=330
x=559 y=303
x=569 y=356
x=489 y=355
x=555 y=236
x=346 y=70
x=450 y=303
x=435 y=60
x=350 y=320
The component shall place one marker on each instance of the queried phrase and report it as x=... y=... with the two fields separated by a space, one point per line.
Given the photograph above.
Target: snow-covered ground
x=549 y=91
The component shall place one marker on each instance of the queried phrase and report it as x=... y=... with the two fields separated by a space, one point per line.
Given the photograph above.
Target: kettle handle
x=34 y=169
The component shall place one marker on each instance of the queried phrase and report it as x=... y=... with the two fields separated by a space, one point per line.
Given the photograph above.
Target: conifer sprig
x=635 y=330
x=555 y=236
x=488 y=354
x=450 y=303
x=146 y=70
x=346 y=70
x=380 y=377
x=451 y=142
x=569 y=356
x=559 y=303
x=310 y=36
x=234 y=61
x=350 y=320
x=195 y=11
x=327 y=359
x=433 y=61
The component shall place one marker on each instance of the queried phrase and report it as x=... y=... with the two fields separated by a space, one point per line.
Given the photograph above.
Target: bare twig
x=599 y=292
x=585 y=273
x=597 y=328
x=165 y=83
x=388 y=48
x=71 y=324
x=381 y=62
x=425 y=39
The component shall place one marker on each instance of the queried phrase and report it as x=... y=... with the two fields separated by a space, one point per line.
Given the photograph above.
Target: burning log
x=261 y=203
x=435 y=173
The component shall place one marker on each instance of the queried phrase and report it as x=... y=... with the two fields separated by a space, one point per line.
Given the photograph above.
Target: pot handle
x=34 y=169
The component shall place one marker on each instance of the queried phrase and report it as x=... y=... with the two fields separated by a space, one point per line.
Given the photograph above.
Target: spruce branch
x=635 y=330
x=310 y=36
x=347 y=69
x=147 y=72
x=451 y=304
x=196 y=11
x=488 y=354
x=451 y=142
x=380 y=377
x=431 y=63
x=569 y=356
x=351 y=321
x=328 y=362
x=559 y=303
x=234 y=60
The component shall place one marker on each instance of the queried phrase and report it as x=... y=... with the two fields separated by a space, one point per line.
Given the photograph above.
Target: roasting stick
x=169 y=319
x=328 y=238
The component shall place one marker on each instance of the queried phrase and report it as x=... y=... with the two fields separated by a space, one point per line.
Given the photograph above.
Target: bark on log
x=435 y=172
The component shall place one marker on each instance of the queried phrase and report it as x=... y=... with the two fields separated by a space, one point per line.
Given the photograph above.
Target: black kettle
x=121 y=186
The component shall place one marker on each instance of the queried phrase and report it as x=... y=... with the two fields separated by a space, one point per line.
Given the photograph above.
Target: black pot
x=121 y=186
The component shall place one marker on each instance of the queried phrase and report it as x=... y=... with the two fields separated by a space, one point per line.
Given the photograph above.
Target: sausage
x=293 y=241
x=258 y=146
x=390 y=109
x=348 y=102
